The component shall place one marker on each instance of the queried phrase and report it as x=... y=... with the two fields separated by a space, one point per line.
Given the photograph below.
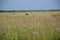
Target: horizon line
x=28 y=10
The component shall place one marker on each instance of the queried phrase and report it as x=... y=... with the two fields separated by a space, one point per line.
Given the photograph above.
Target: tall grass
x=14 y=27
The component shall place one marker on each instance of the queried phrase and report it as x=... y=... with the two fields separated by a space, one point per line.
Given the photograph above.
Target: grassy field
x=30 y=25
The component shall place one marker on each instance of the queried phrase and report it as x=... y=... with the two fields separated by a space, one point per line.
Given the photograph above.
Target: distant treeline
x=28 y=10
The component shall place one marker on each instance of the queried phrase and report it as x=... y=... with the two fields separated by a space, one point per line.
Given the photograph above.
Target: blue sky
x=29 y=4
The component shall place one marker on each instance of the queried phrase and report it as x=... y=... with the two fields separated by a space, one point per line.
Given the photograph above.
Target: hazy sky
x=29 y=4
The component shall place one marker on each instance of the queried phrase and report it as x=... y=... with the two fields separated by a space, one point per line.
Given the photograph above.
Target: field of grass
x=30 y=25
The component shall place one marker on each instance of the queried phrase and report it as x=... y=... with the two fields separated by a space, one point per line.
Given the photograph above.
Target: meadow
x=30 y=25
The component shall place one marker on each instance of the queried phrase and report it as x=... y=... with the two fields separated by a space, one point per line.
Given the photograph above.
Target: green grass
x=37 y=26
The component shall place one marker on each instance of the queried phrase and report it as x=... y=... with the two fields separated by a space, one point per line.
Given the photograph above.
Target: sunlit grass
x=35 y=26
